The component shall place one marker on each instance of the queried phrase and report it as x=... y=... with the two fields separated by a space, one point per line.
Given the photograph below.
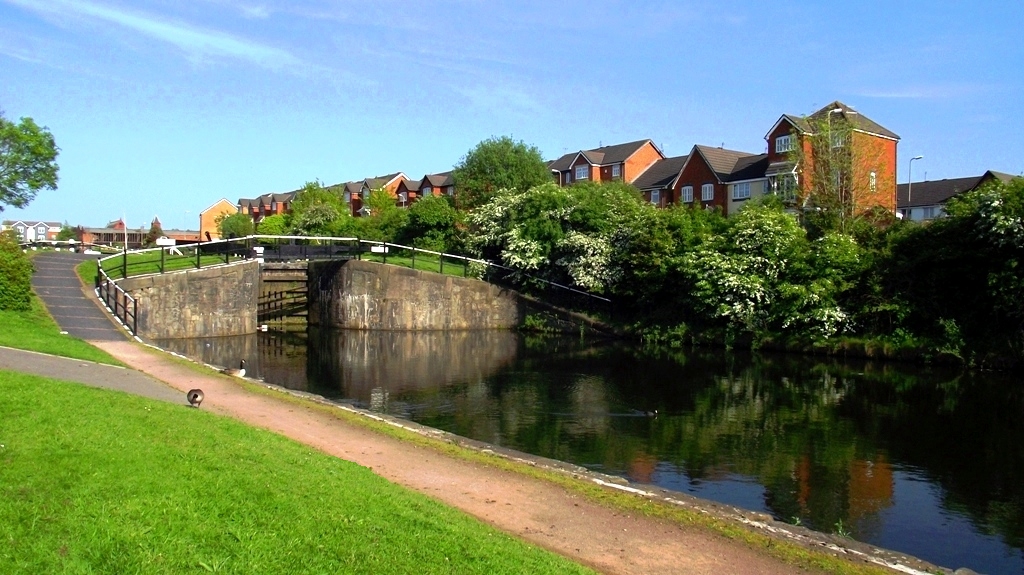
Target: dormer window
x=783 y=144
x=427 y=191
x=582 y=172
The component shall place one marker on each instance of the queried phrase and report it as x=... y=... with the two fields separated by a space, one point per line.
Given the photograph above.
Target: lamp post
x=910 y=183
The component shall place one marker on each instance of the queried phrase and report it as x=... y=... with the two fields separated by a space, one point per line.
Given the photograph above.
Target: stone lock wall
x=365 y=295
x=212 y=302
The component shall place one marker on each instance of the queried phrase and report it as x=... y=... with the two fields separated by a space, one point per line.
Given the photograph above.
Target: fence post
x=135 y=317
x=441 y=259
x=414 y=250
x=385 y=252
x=199 y=251
x=124 y=262
x=162 y=250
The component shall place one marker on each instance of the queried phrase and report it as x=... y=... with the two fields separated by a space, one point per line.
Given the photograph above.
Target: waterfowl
x=195 y=397
x=240 y=372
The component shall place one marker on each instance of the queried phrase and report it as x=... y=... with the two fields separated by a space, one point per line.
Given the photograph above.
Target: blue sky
x=164 y=107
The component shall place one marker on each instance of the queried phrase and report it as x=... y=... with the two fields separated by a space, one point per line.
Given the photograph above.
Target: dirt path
x=534 y=510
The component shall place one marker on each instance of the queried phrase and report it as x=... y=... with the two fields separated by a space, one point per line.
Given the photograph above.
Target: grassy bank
x=35 y=330
x=98 y=481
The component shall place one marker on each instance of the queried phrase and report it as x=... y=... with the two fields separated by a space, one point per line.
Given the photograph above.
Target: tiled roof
x=411 y=185
x=440 y=180
x=857 y=120
x=726 y=162
x=661 y=173
x=749 y=168
x=602 y=156
x=929 y=193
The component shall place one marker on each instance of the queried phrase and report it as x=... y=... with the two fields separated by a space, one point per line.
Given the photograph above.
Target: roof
x=858 y=121
x=934 y=192
x=32 y=223
x=661 y=174
x=411 y=185
x=602 y=156
x=439 y=180
x=381 y=181
x=728 y=163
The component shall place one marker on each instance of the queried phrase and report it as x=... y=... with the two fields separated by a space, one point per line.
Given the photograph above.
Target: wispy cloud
x=198 y=43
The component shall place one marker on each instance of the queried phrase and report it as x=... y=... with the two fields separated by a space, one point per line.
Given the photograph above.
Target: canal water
x=929 y=462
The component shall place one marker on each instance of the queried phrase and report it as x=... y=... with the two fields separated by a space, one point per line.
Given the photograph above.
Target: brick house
x=717 y=178
x=208 y=229
x=354 y=194
x=625 y=162
x=657 y=183
x=872 y=177
x=261 y=207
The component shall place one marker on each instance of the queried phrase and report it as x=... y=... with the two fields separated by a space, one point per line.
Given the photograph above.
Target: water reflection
x=928 y=462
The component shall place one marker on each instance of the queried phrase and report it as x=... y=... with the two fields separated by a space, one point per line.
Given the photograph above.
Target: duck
x=195 y=397
x=240 y=372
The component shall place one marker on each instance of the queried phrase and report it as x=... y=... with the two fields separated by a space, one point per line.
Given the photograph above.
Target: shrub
x=15 y=274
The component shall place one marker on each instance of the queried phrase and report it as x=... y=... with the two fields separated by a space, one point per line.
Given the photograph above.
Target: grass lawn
x=94 y=481
x=35 y=330
x=151 y=263
x=425 y=262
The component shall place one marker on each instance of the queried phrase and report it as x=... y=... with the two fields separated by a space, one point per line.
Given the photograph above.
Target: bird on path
x=240 y=372
x=195 y=397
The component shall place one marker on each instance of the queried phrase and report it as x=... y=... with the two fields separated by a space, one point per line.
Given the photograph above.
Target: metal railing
x=123 y=306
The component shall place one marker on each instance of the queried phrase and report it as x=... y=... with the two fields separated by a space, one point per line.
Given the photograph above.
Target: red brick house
x=657 y=183
x=872 y=176
x=712 y=178
x=625 y=162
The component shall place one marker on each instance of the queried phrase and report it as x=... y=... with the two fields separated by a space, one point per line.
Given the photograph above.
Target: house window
x=656 y=197
x=451 y=190
x=617 y=171
x=838 y=139
x=687 y=194
x=707 y=192
x=273 y=206
x=348 y=197
x=872 y=181
x=785 y=187
x=568 y=178
x=783 y=144
x=741 y=191
x=427 y=191
x=582 y=172
x=928 y=213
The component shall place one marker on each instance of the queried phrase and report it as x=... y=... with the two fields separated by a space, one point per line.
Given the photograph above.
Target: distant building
x=32 y=230
x=208 y=218
x=920 y=201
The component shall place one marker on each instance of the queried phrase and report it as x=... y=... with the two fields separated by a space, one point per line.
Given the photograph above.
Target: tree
x=432 y=225
x=155 y=231
x=496 y=164
x=66 y=233
x=317 y=211
x=28 y=164
x=275 y=225
x=385 y=220
x=236 y=225
x=15 y=274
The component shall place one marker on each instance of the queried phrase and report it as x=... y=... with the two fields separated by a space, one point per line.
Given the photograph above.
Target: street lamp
x=910 y=182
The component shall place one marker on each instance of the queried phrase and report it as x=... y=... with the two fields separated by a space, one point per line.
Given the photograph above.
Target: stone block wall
x=211 y=302
x=365 y=295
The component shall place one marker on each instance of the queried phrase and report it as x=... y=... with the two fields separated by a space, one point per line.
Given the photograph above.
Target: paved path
x=89 y=373
x=58 y=285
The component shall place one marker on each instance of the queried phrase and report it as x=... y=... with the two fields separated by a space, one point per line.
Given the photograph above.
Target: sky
x=162 y=108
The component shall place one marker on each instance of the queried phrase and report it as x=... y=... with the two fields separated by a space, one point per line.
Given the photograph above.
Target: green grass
x=35 y=330
x=94 y=481
x=425 y=262
x=150 y=263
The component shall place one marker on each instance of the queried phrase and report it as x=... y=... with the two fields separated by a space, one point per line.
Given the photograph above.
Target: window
x=617 y=171
x=451 y=190
x=348 y=197
x=656 y=197
x=838 y=139
x=582 y=172
x=929 y=213
x=783 y=144
x=568 y=178
x=687 y=194
x=741 y=191
x=785 y=187
x=273 y=206
x=872 y=181
x=427 y=191
x=707 y=192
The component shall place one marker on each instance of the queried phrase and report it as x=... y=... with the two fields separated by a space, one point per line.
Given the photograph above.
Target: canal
x=925 y=461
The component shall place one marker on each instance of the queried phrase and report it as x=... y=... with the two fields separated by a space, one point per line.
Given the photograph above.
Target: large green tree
x=235 y=225
x=28 y=164
x=498 y=164
x=317 y=211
